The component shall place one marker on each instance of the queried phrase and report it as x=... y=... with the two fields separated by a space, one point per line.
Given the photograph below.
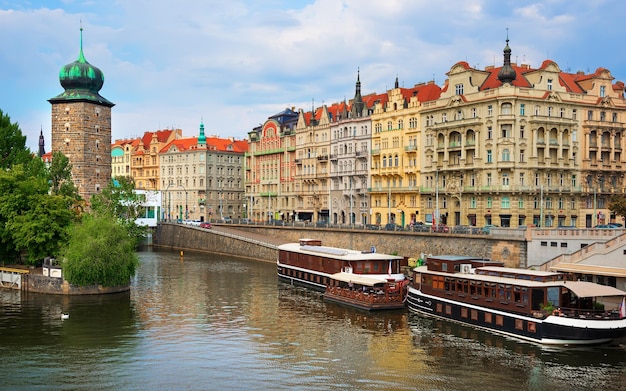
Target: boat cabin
x=487 y=283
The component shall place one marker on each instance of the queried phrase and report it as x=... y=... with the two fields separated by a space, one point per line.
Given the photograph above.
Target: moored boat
x=538 y=306
x=363 y=279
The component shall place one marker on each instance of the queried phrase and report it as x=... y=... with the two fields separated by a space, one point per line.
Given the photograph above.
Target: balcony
x=375 y=152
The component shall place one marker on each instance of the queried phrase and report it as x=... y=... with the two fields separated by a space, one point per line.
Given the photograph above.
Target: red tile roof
x=212 y=143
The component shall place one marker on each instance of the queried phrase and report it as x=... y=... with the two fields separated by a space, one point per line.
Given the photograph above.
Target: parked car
x=486 y=230
x=206 y=224
x=441 y=228
x=603 y=226
x=616 y=225
x=461 y=229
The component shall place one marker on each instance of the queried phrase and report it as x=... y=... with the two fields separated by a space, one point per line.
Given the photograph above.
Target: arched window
x=506 y=155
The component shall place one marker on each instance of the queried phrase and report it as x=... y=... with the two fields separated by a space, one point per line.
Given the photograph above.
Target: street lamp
x=169 y=201
x=221 y=210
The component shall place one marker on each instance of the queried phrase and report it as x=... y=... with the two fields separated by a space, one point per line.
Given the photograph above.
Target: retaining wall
x=511 y=251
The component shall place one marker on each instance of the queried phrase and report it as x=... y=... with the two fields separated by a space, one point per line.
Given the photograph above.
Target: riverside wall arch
x=243 y=241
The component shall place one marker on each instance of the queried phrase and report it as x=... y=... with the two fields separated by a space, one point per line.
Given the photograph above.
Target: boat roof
x=527 y=272
x=580 y=288
x=361 y=279
x=337 y=253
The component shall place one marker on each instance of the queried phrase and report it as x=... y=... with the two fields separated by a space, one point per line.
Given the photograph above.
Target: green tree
x=13 y=148
x=99 y=252
x=119 y=200
x=617 y=204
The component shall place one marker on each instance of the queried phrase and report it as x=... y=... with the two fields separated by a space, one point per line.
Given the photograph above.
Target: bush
x=100 y=252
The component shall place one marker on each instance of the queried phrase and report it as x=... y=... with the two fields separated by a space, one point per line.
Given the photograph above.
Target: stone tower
x=81 y=125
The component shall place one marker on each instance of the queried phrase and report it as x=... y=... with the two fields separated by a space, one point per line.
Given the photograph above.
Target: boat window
x=444 y=267
x=501 y=291
x=507 y=292
x=517 y=294
x=438 y=282
x=447 y=284
x=553 y=295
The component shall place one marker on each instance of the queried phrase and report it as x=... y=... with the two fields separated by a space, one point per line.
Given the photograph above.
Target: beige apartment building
x=350 y=144
x=202 y=178
x=515 y=146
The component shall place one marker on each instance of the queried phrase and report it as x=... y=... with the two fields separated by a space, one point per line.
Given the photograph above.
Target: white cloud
x=235 y=63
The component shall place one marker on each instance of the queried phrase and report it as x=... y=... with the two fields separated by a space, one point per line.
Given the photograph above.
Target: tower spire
x=357 y=103
x=507 y=74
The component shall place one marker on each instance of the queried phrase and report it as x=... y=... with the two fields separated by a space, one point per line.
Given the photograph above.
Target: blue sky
x=234 y=63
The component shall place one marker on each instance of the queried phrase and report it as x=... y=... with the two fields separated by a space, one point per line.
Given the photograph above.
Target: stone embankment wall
x=511 y=251
x=185 y=237
x=39 y=283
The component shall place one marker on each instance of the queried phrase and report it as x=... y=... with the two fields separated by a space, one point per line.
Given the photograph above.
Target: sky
x=232 y=64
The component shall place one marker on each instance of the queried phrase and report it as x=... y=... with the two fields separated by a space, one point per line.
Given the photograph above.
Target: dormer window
x=549 y=84
x=459 y=89
x=602 y=91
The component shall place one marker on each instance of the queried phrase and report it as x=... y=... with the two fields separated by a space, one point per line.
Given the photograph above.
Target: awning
x=589 y=289
x=589 y=269
x=357 y=279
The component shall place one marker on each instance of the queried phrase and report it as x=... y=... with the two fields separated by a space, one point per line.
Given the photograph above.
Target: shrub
x=100 y=252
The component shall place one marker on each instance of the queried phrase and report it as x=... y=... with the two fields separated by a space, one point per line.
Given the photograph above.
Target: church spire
x=357 y=104
x=42 y=150
x=202 y=137
x=507 y=74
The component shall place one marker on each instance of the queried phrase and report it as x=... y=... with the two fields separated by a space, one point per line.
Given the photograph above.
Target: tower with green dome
x=81 y=125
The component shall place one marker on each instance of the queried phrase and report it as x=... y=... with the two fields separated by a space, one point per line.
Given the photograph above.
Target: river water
x=208 y=322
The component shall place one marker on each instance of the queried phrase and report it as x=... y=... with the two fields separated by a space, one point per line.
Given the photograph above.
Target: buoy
x=65 y=316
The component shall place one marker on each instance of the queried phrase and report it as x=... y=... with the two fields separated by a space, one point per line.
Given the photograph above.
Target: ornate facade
x=515 y=146
x=271 y=168
x=396 y=166
x=202 y=178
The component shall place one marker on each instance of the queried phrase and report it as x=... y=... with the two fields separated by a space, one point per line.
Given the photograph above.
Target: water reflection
x=211 y=322
x=466 y=352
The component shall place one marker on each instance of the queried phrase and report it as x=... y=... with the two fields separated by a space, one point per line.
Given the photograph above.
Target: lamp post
x=186 y=204
x=221 y=209
x=169 y=200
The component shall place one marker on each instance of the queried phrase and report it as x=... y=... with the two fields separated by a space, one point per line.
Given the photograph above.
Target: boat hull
x=303 y=277
x=553 y=330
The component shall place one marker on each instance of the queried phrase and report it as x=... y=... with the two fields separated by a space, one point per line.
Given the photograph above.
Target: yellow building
x=395 y=161
x=515 y=146
x=145 y=162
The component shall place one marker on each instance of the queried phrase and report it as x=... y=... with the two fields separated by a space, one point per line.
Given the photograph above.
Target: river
x=208 y=322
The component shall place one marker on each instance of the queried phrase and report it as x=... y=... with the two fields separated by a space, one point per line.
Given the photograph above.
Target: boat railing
x=566 y=312
x=371 y=296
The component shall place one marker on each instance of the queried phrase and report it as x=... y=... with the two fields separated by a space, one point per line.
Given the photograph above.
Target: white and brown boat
x=363 y=279
x=538 y=306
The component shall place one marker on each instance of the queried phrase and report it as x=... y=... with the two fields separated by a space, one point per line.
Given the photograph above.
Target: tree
x=13 y=148
x=617 y=204
x=119 y=200
x=99 y=252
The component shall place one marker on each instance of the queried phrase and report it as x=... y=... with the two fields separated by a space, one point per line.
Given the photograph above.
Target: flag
x=622 y=308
